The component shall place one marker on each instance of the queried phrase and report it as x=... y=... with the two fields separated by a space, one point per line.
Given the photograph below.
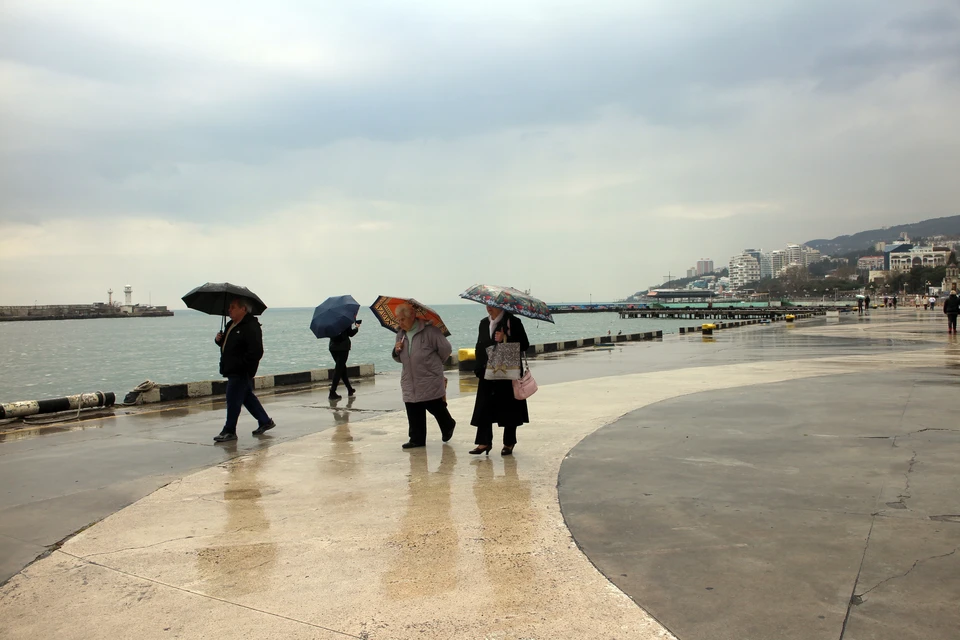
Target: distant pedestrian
x=860 y=306
x=916 y=301
x=340 y=350
x=886 y=301
x=241 y=348
x=933 y=302
x=422 y=349
x=866 y=303
x=951 y=307
x=894 y=301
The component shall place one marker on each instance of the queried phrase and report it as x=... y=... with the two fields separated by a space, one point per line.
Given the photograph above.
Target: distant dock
x=626 y=311
x=728 y=313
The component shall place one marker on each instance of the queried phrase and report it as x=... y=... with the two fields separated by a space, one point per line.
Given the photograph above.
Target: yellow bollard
x=707 y=329
x=790 y=317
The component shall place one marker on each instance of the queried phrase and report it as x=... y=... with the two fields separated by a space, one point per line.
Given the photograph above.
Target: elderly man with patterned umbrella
x=422 y=349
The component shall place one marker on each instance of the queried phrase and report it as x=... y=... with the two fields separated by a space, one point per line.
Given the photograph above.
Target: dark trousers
x=339 y=370
x=240 y=394
x=952 y=322
x=485 y=436
x=417 y=418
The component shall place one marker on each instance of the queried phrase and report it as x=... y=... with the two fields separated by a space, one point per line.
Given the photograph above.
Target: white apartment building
x=794 y=254
x=744 y=269
x=870 y=263
x=778 y=260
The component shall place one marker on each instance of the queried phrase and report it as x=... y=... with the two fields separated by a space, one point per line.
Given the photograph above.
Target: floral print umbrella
x=509 y=299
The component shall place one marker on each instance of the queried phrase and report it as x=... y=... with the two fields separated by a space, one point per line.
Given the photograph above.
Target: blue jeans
x=240 y=394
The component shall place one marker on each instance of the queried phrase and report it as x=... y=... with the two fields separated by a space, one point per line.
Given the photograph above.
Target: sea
x=50 y=359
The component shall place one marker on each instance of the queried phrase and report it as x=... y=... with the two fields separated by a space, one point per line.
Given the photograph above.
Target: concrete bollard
x=467 y=359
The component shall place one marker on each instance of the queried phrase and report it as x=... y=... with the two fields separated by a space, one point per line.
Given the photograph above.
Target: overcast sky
x=307 y=149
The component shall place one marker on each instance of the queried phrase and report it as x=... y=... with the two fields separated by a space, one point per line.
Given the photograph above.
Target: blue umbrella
x=334 y=316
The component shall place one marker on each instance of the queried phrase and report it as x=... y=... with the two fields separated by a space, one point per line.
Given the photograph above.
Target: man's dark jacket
x=951 y=305
x=341 y=342
x=244 y=348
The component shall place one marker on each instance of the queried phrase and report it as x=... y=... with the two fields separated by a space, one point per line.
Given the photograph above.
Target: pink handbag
x=526 y=386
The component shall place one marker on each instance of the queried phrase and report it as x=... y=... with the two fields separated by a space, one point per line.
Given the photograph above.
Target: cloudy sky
x=306 y=148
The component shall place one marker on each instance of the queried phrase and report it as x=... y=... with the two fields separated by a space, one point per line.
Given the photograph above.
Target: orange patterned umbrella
x=385 y=309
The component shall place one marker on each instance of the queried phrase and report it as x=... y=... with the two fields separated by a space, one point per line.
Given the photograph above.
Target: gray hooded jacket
x=422 y=359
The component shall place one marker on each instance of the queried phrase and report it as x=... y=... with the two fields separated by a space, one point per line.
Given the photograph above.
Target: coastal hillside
x=948 y=226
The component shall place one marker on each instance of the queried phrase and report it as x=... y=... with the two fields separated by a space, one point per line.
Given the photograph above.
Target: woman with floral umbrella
x=495 y=400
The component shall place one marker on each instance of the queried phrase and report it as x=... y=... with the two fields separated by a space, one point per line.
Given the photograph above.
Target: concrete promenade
x=793 y=481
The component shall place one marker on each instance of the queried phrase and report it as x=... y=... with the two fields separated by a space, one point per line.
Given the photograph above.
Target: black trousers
x=417 y=418
x=339 y=370
x=952 y=322
x=485 y=436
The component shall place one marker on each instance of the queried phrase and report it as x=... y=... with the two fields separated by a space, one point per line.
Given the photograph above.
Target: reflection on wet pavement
x=239 y=563
x=426 y=543
x=508 y=541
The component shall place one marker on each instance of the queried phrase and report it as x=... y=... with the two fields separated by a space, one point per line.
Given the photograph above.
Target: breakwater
x=79 y=312
x=149 y=393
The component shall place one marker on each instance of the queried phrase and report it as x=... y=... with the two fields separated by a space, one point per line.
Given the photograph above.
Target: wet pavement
x=325 y=528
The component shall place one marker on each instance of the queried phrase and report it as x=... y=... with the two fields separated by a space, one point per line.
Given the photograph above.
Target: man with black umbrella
x=241 y=347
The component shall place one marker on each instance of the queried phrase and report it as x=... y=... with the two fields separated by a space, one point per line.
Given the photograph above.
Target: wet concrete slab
x=752 y=513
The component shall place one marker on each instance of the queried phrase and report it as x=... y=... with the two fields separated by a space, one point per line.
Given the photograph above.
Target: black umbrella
x=214 y=298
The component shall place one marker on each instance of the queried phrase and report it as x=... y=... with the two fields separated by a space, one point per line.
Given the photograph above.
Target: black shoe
x=334 y=396
x=264 y=427
x=413 y=445
x=481 y=448
x=224 y=437
x=448 y=433
x=351 y=392
x=507 y=451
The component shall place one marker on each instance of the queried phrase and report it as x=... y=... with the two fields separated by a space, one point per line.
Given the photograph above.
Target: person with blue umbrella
x=336 y=318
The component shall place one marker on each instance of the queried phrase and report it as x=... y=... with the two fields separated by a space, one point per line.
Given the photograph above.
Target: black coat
x=241 y=355
x=951 y=304
x=341 y=342
x=495 y=401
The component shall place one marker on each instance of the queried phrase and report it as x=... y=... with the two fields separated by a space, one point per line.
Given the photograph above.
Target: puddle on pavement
x=26 y=432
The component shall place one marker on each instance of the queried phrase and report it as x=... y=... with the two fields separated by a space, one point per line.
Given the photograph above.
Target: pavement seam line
x=209 y=597
x=912 y=567
x=866 y=545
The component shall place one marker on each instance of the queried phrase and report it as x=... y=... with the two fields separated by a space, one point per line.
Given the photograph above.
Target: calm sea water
x=51 y=359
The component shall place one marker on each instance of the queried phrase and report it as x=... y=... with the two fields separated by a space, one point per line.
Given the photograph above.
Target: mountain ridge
x=945 y=226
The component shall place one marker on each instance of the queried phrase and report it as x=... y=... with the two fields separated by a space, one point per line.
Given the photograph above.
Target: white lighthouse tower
x=128 y=295
x=110 y=296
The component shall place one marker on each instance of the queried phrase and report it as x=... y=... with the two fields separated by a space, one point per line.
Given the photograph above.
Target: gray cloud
x=746 y=119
